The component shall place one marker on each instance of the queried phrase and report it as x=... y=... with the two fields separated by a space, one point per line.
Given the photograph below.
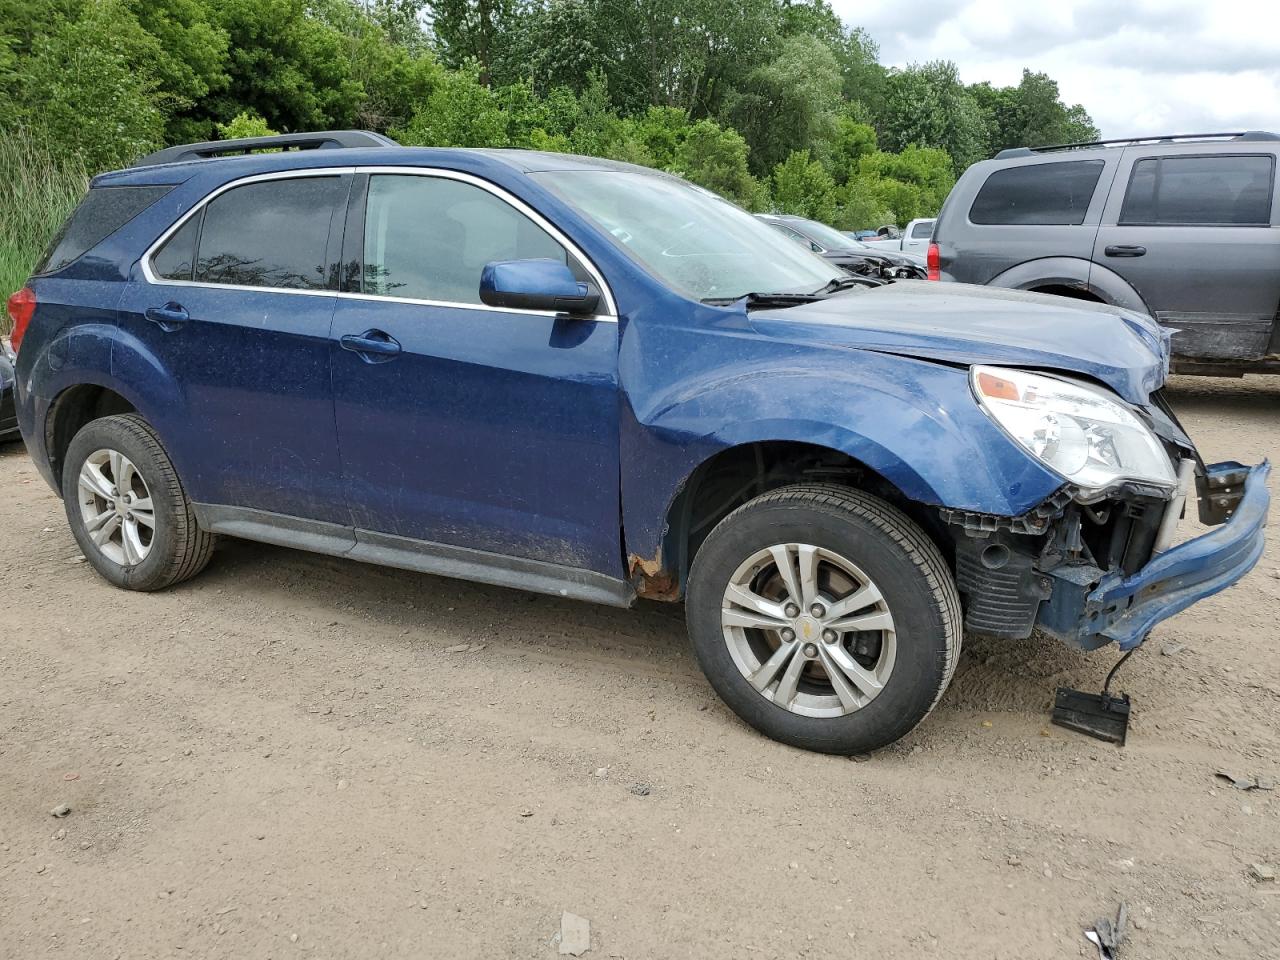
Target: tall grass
x=38 y=189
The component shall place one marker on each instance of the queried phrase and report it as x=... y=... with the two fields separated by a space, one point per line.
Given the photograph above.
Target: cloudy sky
x=1140 y=67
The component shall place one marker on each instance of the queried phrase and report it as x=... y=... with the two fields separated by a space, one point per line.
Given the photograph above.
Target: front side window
x=922 y=231
x=689 y=238
x=1181 y=191
x=1049 y=194
x=429 y=238
x=272 y=233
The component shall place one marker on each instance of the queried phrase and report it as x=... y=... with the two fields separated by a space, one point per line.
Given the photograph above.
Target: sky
x=1140 y=67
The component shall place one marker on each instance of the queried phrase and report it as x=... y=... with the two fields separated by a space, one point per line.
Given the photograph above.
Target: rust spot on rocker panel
x=650 y=579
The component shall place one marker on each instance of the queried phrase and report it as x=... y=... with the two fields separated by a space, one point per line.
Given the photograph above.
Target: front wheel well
x=71 y=410
x=738 y=474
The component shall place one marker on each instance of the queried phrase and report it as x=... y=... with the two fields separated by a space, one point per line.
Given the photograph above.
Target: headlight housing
x=1082 y=433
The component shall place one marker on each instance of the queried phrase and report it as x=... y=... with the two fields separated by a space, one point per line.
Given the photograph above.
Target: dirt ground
x=285 y=758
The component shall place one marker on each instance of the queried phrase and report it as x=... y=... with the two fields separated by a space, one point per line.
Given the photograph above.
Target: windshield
x=696 y=242
x=828 y=237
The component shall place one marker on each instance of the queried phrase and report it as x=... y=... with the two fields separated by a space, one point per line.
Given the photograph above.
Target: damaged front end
x=1100 y=572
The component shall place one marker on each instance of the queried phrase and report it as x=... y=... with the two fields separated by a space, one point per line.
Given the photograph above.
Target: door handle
x=1125 y=250
x=373 y=346
x=169 y=317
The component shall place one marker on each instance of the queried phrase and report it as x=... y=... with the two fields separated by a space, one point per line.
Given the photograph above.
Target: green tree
x=716 y=158
x=81 y=94
x=185 y=54
x=802 y=186
x=474 y=31
x=459 y=112
x=1031 y=114
x=244 y=124
x=789 y=103
x=288 y=66
x=928 y=105
x=850 y=143
x=663 y=130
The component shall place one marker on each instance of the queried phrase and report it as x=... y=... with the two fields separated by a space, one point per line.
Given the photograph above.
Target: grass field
x=38 y=192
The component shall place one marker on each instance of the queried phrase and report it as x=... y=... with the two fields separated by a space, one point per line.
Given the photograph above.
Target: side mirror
x=535 y=285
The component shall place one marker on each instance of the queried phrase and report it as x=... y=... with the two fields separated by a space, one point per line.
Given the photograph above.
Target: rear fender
x=91 y=355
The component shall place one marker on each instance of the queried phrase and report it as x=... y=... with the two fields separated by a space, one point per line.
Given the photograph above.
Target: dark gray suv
x=1186 y=229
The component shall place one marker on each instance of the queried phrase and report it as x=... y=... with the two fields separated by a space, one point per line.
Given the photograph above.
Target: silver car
x=1182 y=228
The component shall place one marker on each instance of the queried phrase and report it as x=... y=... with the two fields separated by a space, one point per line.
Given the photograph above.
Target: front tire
x=825 y=618
x=127 y=509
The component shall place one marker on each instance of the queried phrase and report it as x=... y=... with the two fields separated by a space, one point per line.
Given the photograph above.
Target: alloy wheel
x=116 y=507
x=809 y=630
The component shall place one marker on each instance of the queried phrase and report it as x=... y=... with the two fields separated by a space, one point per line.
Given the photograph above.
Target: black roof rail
x=1246 y=135
x=319 y=140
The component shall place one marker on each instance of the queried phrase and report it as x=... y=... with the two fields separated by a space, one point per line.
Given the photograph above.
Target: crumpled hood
x=964 y=324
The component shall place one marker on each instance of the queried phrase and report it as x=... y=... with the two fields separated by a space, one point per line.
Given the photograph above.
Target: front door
x=1192 y=233
x=461 y=424
x=233 y=309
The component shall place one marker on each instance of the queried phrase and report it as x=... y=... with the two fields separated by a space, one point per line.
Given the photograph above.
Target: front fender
x=914 y=422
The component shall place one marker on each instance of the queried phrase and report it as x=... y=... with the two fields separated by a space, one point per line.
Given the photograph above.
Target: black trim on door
x=352 y=256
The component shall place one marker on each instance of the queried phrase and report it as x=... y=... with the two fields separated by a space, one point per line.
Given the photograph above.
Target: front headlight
x=1082 y=433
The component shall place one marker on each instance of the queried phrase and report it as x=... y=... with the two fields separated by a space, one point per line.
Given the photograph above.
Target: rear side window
x=1051 y=194
x=273 y=233
x=1232 y=190
x=102 y=212
x=429 y=238
x=176 y=260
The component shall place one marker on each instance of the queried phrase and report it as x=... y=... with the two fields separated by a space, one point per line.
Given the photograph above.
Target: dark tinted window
x=1199 y=190
x=429 y=238
x=269 y=234
x=102 y=212
x=922 y=231
x=1042 y=193
x=176 y=259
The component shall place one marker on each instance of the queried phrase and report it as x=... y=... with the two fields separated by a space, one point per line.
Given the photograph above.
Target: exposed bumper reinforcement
x=1123 y=609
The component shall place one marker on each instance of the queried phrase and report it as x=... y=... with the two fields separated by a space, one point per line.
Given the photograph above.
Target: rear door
x=486 y=428
x=1193 y=232
x=233 y=305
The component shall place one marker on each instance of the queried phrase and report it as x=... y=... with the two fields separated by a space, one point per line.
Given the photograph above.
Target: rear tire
x=877 y=656
x=127 y=508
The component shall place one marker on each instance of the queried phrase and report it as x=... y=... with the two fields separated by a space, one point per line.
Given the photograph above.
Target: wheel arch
x=71 y=409
x=739 y=472
x=1072 y=277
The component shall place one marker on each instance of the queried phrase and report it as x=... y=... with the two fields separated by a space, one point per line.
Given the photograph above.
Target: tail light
x=21 y=306
x=934 y=262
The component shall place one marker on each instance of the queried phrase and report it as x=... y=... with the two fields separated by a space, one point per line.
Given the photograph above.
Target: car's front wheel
x=126 y=506
x=824 y=617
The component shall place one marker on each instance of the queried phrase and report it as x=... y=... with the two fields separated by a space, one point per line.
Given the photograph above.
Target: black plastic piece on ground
x=1097 y=715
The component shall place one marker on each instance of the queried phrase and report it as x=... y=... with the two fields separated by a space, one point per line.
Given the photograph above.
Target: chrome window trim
x=609 y=315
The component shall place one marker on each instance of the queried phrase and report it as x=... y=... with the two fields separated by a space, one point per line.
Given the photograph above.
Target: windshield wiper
x=756 y=299
x=836 y=284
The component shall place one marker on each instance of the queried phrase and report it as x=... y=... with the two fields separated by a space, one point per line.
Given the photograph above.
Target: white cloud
x=1140 y=67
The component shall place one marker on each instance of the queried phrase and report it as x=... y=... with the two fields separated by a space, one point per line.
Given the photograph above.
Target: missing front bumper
x=1089 y=608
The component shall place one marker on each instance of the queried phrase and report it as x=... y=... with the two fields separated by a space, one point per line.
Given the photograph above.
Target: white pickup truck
x=914 y=239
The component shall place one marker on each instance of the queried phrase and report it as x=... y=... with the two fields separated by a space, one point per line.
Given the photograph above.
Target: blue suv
x=594 y=380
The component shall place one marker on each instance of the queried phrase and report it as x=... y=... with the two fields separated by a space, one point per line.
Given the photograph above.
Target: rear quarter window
x=1050 y=194
x=102 y=212
x=1206 y=191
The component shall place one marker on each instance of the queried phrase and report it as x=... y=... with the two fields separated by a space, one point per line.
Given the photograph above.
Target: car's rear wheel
x=824 y=617
x=127 y=509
